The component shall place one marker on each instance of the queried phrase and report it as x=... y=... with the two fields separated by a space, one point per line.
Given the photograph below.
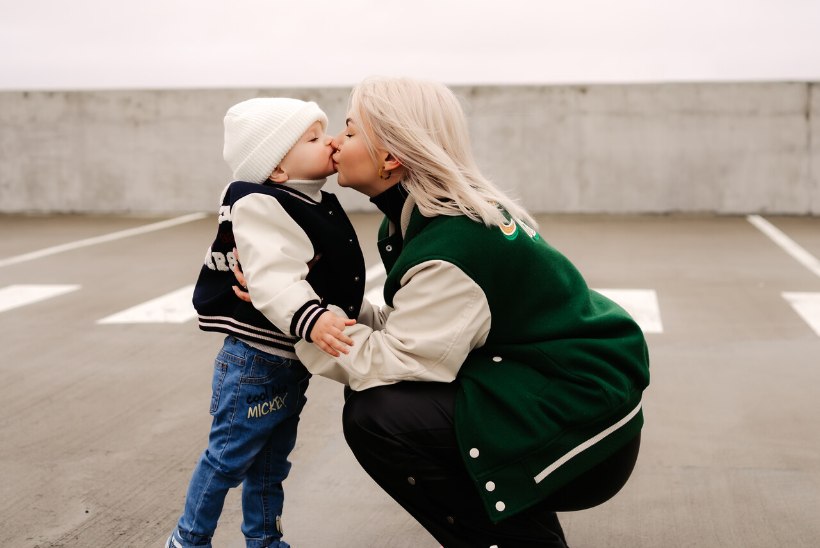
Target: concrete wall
x=724 y=148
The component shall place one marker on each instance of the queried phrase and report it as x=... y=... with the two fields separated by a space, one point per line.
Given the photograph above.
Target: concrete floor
x=102 y=424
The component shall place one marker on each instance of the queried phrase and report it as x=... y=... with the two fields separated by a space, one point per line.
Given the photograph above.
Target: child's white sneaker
x=172 y=542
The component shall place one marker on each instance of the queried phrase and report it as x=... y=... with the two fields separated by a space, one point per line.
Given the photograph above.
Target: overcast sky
x=88 y=44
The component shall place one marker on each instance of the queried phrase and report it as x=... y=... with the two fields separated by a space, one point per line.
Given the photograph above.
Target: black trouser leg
x=403 y=436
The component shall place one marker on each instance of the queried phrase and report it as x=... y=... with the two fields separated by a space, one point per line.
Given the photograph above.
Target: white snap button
x=490 y=486
x=496 y=359
x=500 y=506
x=474 y=453
x=388 y=248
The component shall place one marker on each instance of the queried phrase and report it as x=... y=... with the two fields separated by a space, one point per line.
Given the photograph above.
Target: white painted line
x=175 y=307
x=786 y=244
x=807 y=306
x=642 y=305
x=101 y=239
x=14 y=296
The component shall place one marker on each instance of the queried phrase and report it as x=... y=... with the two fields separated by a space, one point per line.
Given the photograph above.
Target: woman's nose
x=334 y=141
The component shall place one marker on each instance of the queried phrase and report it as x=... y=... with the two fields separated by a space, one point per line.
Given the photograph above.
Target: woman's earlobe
x=390 y=162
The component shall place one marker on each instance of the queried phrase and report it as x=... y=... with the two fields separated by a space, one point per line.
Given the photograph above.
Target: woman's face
x=353 y=163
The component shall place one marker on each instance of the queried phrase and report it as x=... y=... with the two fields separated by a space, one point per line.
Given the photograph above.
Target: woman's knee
x=397 y=417
x=373 y=418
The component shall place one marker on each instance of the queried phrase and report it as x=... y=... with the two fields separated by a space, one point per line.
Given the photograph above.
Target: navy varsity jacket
x=299 y=253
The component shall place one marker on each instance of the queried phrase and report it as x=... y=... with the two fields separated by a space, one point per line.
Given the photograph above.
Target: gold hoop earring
x=381 y=172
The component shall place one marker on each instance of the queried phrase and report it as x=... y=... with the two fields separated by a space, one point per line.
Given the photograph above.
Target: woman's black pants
x=403 y=436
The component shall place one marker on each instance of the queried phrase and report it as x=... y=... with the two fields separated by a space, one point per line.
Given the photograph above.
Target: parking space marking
x=71 y=246
x=788 y=245
x=14 y=296
x=807 y=306
x=642 y=305
x=174 y=307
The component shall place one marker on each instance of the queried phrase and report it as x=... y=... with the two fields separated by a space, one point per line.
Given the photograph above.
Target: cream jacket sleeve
x=439 y=315
x=372 y=315
x=274 y=252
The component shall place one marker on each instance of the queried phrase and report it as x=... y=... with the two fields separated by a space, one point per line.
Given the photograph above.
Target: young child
x=299 y=253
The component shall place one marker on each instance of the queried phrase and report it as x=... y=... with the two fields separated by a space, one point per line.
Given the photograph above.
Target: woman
x=535 y=401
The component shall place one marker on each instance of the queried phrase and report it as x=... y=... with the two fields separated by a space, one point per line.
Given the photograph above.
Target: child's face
x=310 y=158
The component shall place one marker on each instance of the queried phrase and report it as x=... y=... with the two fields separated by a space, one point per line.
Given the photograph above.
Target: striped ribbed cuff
x=305 y=318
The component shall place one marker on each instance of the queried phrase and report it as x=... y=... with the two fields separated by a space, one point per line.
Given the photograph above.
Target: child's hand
x=328 y=334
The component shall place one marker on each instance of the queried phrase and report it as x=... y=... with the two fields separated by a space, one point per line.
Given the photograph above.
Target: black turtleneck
x=391 y=201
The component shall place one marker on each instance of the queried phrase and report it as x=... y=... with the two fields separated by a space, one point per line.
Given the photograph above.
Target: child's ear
x=278 y=176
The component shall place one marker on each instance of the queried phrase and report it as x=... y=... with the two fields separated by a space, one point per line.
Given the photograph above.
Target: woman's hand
x=328 y=334
x=243 y=292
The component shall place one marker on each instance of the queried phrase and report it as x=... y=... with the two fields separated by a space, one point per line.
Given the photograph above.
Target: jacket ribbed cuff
x=305 y=318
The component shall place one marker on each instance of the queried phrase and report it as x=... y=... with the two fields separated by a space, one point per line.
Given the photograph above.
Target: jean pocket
x=264 y=369
x=220 y=372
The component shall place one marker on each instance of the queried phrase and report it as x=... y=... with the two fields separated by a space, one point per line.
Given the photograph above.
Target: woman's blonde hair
x=421 y=124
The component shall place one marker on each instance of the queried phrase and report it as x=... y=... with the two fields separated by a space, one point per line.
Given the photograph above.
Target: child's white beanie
x=259 y=132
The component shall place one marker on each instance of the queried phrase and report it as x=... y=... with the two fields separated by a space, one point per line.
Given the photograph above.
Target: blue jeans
x=257 y=398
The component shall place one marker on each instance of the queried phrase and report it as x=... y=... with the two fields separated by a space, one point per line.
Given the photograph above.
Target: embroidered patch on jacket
x=510 y=229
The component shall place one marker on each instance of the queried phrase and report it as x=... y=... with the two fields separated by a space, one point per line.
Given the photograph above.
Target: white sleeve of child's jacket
x=274 y=252
x=439 y=315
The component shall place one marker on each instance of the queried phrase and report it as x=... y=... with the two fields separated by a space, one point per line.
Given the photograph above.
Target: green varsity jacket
x=557 y=386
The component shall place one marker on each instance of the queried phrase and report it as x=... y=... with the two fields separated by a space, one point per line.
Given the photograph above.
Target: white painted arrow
x=15 y=296
x=174 y=307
